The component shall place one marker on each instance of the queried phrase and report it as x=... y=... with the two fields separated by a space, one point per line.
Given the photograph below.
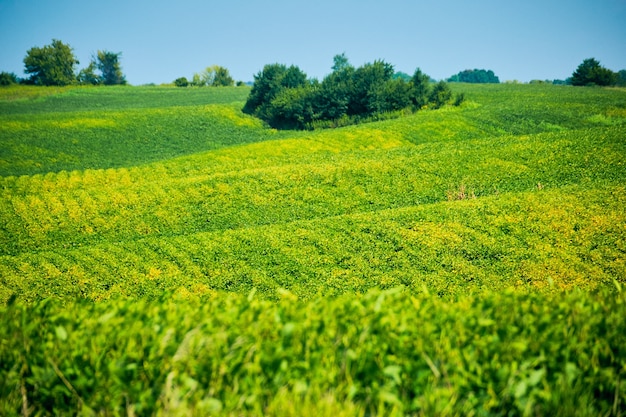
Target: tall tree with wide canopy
x=51 y=65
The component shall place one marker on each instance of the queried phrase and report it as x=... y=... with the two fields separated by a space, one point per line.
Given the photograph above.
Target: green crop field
x=162 y=253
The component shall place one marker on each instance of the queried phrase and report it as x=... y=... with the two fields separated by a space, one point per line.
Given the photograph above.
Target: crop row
x=269 y=183
x=539 y=240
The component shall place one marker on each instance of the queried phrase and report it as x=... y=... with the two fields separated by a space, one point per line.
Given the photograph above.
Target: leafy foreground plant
x=384 y=353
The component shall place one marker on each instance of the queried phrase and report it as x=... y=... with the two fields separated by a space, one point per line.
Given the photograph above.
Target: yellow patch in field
x=433 y=234
x=617 y=112
x=14 y=125
x=84 y=123
x=154 y=273
x=360 y=138
x=233 y=115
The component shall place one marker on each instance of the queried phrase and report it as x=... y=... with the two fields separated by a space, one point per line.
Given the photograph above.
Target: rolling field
x=369 y=270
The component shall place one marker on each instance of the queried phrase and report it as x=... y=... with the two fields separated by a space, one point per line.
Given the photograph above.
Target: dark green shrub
x=8 y=78
x=181 y=82
x=591 y=73
x=440 y=95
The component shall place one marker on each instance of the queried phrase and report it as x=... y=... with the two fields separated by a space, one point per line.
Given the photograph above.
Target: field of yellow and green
x=162 y=253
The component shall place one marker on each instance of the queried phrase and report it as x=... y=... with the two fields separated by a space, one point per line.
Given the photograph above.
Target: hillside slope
x=161 y=254
x=520 y=187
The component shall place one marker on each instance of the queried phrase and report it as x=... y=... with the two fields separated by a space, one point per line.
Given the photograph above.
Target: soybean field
x=163 y=253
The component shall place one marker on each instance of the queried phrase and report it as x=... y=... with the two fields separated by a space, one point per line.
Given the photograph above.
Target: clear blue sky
x=163 y=40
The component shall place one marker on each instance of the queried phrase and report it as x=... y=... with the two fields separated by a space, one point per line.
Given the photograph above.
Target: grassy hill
x=523 y=186
x=122 y=195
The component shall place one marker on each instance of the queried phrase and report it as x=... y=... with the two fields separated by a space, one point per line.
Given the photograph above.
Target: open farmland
x=372 y=269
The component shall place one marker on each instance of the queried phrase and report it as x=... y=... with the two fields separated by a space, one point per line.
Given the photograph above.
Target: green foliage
x=88 y=76
x=268 y=84
x=333 y=96
x=197 y=80
x=390 y=96
x=8 y=78
x=420 y=89
x=366 y=80
x=383 y=353
x=51 y=65
x=216 y=76
x=475 y=76
x=459 y=99
x=440 y=95
x=108 y=63
x=402 y=76
x=590 y=73
x=346 y=96
x=292 y=108
x=222 y=78
x=181 y=82
x=341 y=63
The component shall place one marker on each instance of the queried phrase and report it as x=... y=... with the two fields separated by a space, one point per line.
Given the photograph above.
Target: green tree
x=284 y=97
x=109 y=65
x=389 y=96
x=268 y=84
x=181 y=82
x=198 y=80
x=222 y=77
x=590 y=73
x=440 y=95
x=292 y=108
x=420 y=89
x=8 y=78
x=340 y=63
x=399 y=75
x=332 y=96
x=366 y=79
x=621 y=78
x=51 y=65
x=88 y=75
x=213 y=76
x=475 y=76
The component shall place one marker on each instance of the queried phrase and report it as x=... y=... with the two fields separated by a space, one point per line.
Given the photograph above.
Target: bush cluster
x=8 y=78
x=479 y=76
x=286 y=98
x=591 y=73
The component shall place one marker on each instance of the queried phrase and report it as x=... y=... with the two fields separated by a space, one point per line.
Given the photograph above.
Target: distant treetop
x=475 y=76
x=590 y=73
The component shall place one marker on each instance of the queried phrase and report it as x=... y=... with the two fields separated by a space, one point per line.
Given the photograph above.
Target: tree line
x=480 y=76
x=213 y=76
x=55 y=64
x=286 y=98
x=588 y=73
x=366 y=91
